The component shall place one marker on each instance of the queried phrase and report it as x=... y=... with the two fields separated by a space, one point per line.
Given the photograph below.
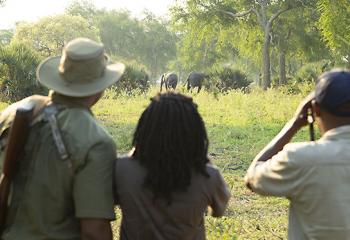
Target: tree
x=50 y=34
x=85 y=9
x=120 y=33
x=227 y=12
x=157 y=46
x=202 y=45
x=297 y=39
x=335 y=26
x=147 y=41
x=204 y=40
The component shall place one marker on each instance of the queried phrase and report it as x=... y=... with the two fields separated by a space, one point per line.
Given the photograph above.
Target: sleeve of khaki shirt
x=278 y=176
x=93 y=192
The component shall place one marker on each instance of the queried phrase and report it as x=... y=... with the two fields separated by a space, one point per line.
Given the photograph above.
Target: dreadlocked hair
x=171 y=142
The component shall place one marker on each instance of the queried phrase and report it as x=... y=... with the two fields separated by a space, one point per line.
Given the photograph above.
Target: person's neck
x=85 y=102
x=335 y=123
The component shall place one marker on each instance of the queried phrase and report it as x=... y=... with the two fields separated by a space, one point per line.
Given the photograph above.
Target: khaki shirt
x=48 y=199
x=145 y=219
x=315 y=176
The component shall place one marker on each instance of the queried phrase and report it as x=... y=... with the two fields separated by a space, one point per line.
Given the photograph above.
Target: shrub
x=17 y=71
x=310 y=71
x=305 y=78
x=297 y=88
x=228 y=78
x=134 y=80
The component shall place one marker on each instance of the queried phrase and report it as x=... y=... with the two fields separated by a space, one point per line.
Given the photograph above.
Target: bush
x=297 y=88
x=310 y=71
x=17 y=72
x=134 y=80
x=228 y=78
x=306 y=77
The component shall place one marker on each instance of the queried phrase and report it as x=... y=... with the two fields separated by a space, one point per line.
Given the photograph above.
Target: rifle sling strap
x=49 y=115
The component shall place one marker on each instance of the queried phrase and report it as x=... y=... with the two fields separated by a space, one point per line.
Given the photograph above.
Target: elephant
x=195 y=79
x=170 y=81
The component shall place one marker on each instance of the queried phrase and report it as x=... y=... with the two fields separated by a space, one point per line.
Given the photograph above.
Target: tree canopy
x=146 y=40
x=49 y=34
x=334 y=22
x=269 y=40
x=262 y=33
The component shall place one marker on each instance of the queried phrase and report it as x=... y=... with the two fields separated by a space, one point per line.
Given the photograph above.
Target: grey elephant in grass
x=195 y=79
x=169 y=80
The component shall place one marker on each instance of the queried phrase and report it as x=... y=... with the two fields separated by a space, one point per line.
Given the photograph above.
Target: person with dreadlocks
x=167 y=183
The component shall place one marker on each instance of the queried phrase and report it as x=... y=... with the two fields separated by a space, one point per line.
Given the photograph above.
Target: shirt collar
x=338 y=133
x=69 y=102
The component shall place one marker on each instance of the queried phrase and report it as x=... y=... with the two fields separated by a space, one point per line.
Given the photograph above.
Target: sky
x=32 y=10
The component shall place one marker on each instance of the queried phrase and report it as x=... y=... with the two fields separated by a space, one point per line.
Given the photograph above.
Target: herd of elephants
x=194 y=80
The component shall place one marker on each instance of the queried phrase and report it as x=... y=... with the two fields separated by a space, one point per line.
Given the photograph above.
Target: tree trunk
x=266 y=59
x=290 y=70
x=282 y=67
x=260 y=80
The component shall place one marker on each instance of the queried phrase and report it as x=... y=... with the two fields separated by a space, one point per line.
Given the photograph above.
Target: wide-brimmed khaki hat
x=82 y=70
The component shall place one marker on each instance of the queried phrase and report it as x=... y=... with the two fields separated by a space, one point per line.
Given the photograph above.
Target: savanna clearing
x=238 y=126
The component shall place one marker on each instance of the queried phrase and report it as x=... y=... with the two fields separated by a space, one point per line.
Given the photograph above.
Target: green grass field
x=238 y=125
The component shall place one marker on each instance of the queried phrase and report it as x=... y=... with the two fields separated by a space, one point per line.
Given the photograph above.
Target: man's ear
x=316 y=109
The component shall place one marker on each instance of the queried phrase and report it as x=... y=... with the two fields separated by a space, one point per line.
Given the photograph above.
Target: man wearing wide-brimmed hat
x=63 y=187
